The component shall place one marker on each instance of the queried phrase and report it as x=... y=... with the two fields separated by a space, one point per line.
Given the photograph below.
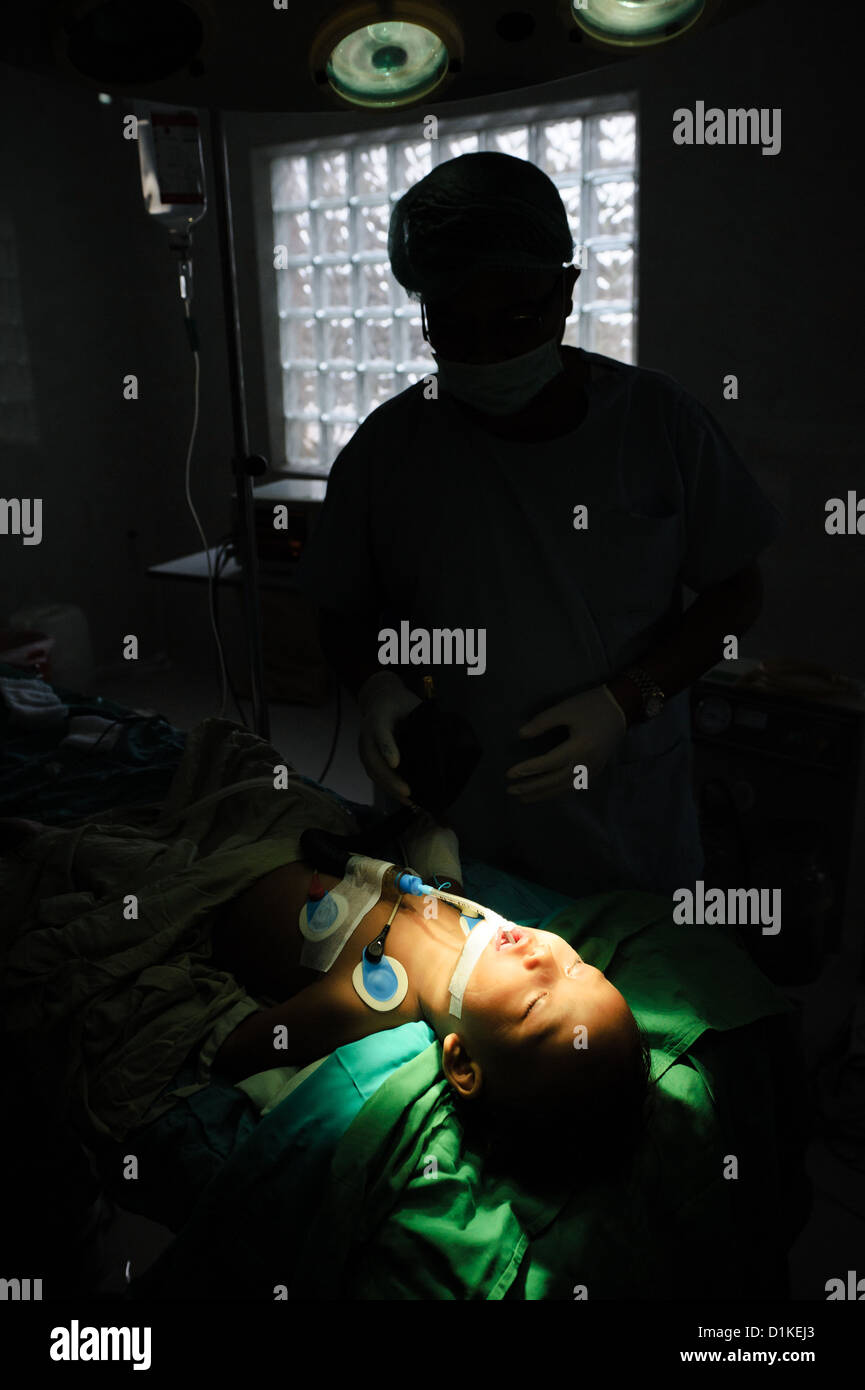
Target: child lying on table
x=545 y=1048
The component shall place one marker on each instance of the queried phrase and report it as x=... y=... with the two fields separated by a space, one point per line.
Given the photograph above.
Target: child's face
x=542 y=1006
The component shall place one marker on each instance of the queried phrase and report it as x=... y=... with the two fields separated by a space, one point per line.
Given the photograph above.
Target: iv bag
x=172 y=166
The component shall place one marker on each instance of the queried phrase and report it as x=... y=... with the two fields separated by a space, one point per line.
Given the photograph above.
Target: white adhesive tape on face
x=476 y=942
x=356 y=894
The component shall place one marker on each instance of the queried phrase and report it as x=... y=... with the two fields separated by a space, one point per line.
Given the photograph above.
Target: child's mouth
x=516 y=934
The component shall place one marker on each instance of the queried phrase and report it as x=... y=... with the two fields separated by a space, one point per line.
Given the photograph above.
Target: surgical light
x=382 y=56
x=636 y=23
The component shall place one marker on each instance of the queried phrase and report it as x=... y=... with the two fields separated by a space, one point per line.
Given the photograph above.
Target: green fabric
x=123 y=1002
x=268 y=1089
x=678 y=980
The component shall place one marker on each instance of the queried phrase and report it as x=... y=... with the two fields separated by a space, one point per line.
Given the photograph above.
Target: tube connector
x=411 y=883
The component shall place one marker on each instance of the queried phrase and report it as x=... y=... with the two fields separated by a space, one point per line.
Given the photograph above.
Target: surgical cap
x=472 y=213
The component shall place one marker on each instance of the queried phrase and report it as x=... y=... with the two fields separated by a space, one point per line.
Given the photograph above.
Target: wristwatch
x=651 y=694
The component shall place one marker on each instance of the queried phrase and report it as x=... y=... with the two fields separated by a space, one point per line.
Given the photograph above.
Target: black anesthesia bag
x=438 y=752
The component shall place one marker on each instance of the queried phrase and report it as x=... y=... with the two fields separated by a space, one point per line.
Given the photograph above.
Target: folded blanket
x=33 y=703
x=104 y=1000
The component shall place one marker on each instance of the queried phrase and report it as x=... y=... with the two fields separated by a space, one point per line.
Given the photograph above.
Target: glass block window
x=344 y=333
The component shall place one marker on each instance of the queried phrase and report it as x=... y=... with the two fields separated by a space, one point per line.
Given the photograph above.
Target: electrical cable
x=213 y=572
x=83 y=757
x=190 y=328
x=225 y=552
x=321 y=776
x=222 y=556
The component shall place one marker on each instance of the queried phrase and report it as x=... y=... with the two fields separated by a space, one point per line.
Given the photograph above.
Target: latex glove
x=433 y=849
x=383 y=701
x=596 y=726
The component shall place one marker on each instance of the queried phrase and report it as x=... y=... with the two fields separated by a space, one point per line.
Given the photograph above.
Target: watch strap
x=646 y=686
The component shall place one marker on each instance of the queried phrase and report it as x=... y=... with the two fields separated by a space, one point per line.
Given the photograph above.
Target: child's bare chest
x=258 y=938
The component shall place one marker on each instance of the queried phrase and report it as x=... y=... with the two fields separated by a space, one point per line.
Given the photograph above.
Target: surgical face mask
x=500 y=388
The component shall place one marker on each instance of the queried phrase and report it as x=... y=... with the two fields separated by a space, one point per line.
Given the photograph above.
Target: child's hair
x=594 y=1131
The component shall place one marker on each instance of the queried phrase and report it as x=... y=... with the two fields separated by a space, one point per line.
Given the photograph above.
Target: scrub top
x=431 y=519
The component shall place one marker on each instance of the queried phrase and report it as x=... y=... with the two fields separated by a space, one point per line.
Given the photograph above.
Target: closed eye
x=541 y=995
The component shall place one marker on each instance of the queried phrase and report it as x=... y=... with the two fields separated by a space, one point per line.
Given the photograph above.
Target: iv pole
x=244 y=465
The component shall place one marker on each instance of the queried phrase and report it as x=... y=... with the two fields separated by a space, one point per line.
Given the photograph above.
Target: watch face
x=654 y=705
